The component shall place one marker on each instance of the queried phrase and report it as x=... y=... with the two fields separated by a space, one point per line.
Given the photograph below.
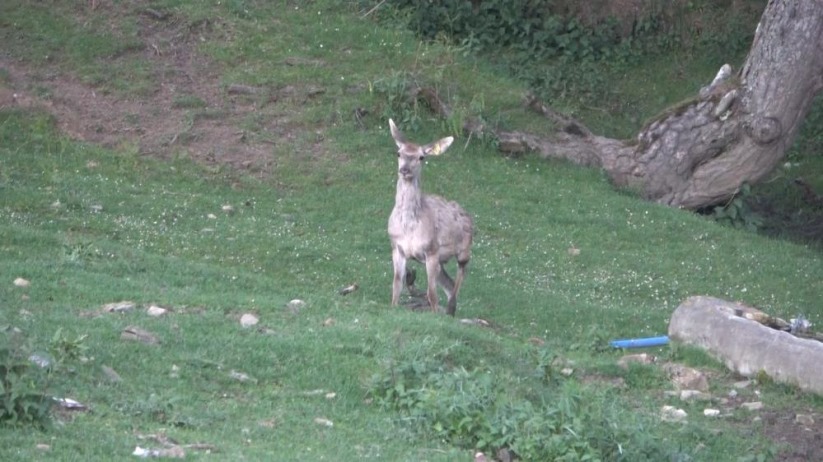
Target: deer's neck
x=409 y=198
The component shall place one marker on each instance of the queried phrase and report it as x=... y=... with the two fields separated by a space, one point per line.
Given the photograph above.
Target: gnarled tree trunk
x=735 y=131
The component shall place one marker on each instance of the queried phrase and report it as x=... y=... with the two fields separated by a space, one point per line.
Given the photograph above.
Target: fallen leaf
x=70 y=404
x=475 y=322
x=348 y=289
x=140 y=335
x=240 y=376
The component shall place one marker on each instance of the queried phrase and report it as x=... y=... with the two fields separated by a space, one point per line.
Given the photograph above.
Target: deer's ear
x=399 y=139
x=438 y=147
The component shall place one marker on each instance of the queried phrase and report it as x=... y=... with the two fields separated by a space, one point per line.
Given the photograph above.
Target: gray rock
x=745 y=346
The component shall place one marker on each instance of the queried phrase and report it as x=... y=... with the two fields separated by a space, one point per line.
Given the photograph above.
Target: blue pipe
x=640 y=342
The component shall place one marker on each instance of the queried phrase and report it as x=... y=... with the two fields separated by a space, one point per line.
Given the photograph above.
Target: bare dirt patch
x=186 y=111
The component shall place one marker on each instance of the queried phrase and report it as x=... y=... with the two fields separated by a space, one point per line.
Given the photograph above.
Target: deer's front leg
x=399 y=263
x=432 y=273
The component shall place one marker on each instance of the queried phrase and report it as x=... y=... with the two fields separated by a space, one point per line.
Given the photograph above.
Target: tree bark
x=735 y=131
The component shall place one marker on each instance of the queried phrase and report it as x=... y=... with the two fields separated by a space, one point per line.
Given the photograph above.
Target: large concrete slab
x=745 y=346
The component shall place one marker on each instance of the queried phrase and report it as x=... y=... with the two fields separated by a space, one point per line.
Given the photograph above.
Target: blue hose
x=640 y=342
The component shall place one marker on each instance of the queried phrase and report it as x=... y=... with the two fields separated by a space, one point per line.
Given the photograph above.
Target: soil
x=158 y=125
x=188 y=111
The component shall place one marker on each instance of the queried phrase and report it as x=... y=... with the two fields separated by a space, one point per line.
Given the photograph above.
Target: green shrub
x=22 y=385
x=534 y=418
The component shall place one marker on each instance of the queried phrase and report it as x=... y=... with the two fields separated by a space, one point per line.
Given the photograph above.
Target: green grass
x=89 y=226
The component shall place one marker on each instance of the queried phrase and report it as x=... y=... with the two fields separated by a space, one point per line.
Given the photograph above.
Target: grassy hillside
x=163 y=184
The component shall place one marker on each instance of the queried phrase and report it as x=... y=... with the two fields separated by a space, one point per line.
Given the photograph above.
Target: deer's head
x=410 y=156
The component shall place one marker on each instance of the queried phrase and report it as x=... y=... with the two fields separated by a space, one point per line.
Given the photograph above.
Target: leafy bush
x=737 y=212
x=534 y=418
x=559 y=52
x=22 y=385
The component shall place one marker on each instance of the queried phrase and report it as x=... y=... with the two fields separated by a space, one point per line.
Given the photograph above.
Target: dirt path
x=186 y=111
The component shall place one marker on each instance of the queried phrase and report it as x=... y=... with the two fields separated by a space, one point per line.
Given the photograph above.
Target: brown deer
x=426 y=228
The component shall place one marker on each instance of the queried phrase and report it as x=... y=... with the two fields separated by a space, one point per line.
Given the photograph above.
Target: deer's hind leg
x=447 y=283
x=461 y=274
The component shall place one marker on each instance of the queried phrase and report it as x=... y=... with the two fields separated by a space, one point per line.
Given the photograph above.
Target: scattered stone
x=742 y=384
x=296 y=305
x=323 y=421
x=711 y=412
x=672 y=414
x=480 y=457
x=475 y=322
x=689 y=395
x=118 y=307
x=43 y=447
x=140 y=335
x=97 y=208
x=567 y=371
x=240 y=376
x=70 y=404
x=20 y=282
x=175 y=372
x=248 y=320
x=156 y=311
x=574 y=251
x=733 y=394
x=111 y=374
x=330 y=395
x=752 y=406
x=641 y=358
x=804 y=419
x=174 y=452
x=537 y=341
x=211 y=216
x=229 y=209
x=348 y=289
x=686 y=378
x=328 y=322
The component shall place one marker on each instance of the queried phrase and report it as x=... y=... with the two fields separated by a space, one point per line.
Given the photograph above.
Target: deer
x=426 y=228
